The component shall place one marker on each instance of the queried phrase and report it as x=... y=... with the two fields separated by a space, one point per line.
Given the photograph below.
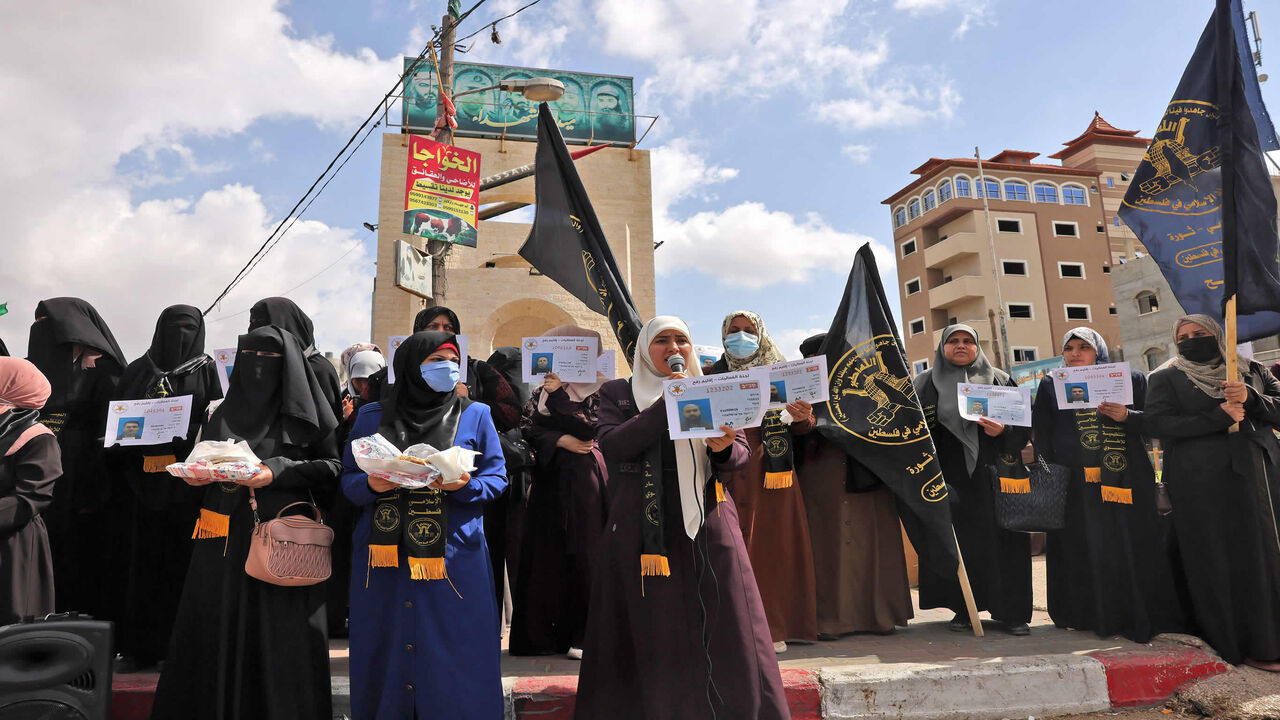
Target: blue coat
x=415 y=644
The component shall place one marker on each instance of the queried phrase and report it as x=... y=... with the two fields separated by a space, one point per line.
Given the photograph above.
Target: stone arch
x=514 y=320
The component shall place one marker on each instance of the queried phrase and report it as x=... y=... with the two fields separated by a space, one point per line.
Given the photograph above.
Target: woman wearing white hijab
x=671 y=553
x=1225 y=488
x=998 y=561
x=1107 y=569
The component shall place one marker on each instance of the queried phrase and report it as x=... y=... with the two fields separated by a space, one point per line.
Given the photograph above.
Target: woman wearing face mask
x=73 y=347
x=676 y=629
x=243 y=648
x=422 y=612
x=565 y=514
x=1225 y=489
x=30 y=464
x=1107 y=569
x=153 y=512
x=998 y=561
x=488 y=386
x=767 y=493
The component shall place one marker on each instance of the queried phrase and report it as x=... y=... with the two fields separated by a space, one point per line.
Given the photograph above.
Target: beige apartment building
x=1056 y=238
x=498 y=297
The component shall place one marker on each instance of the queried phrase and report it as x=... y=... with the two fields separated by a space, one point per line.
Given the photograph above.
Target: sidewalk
x=921 y=671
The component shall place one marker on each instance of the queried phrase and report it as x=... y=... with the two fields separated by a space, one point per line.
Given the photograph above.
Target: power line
x=322 y=271
x=495 y=22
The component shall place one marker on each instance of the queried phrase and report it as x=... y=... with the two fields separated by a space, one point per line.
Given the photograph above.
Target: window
x=1111 y=310
x=1106 y=269
x=930 y=201
x=1147 y=302
x=1020 y=310
x=962 y=187
x=917 y=326
x=1014 y=267
x=1024 y=355
x=1046 y=193
x=1070 y=270
x=908 y=247
x=990 y=187
x=1014 y=190
x=1066 y=229
x=1116 y=221
x=899 y=218
x=1073 y=195
x=1154 y=357
x=1077 y=312
x=1009 y=226
x=1102 y=228
x=944 y=191
x=920 y=366
x=913 y=286
x=913 y=209
x=1125 y=177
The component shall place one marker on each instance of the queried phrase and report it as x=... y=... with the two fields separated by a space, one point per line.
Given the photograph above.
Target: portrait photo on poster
x=130 y=428
x=697 y=407
x=1008 y=405
x=147 y=422
x=696 y=415
x=1086 y=386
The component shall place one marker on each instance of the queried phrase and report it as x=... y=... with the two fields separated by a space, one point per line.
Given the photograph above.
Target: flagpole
x=1232 y=357
x=1006 y=359
x=967 y=589
x=1226 y=62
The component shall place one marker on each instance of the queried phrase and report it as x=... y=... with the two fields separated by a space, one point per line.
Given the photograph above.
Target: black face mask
x=1201 y=349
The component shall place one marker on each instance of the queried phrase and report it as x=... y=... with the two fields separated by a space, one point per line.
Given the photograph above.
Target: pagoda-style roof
x=1099 y=130
x=1014 y=156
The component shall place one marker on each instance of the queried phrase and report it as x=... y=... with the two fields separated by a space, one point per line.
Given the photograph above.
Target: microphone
x=676 y=363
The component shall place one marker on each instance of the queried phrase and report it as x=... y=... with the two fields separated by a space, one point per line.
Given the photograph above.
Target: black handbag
x=1043 y=508
x=520 y=459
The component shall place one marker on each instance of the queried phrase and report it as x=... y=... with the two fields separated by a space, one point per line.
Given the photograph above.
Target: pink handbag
x=292 y=550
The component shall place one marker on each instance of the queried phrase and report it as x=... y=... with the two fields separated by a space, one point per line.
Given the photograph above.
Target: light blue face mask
x=441 y=376
x=741 y=344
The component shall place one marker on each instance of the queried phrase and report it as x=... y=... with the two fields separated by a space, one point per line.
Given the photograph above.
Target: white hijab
x=363 y=364
x=646 y=387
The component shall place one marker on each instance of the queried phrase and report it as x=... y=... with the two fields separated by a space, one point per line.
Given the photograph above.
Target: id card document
x=798 y=380
x=707 y=354
x=147 y=422
x=1004 y=404
x=608 y=364
x=698 y=406
x=395 y=341
x=1088 y=385
x=225 y=360
x=572 y=359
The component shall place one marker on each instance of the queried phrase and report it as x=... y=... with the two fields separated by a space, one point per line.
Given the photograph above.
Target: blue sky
x=160 y=142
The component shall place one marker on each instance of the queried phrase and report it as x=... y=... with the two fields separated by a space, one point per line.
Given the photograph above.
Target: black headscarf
x=506 y=361
x=413 y=412
x=272 y=395
x=424 y=317
x=178 y=339
x=4 y=351
x=286 y=315
x=61 y=323
x=812 y=344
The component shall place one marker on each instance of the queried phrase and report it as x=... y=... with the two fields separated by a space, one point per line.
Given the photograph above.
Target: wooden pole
x=967 y=589
x=1230 y=349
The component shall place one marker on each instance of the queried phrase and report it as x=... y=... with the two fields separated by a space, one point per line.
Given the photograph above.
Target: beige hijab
x=766 y=354
x=1207 y=377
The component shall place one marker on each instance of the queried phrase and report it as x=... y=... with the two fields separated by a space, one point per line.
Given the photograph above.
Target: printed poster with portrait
x=594 y=109
x=147 y=422
x=442 y=192
x=1086 y=386
x=798 y=380
x=1001 y=403
x=225 y=361
x=698 y=406
x=572 y=359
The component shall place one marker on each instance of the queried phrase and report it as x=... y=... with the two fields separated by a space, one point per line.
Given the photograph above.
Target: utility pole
x=1006 y=354
x=439 y=249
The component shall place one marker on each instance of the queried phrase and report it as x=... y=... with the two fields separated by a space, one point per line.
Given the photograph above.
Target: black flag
x=874 y=415
x=566 y=243
x=1201 y=200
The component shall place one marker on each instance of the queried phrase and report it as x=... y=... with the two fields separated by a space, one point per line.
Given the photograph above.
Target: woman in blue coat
x=423 y=612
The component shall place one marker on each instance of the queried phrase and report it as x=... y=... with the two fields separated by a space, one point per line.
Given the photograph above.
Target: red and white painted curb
x=1038 y=686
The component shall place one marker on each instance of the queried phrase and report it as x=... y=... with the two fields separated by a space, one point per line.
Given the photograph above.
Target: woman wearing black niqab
x=152 y=514
x=72 y=345
x=286 y=315
x=242 y=648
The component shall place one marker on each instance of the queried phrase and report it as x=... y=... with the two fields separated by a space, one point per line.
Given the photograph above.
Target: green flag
x=455 y=8
x=4 y=308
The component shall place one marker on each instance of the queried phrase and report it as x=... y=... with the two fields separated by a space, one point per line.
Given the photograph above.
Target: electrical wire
x=322 y=271
x=494 y=23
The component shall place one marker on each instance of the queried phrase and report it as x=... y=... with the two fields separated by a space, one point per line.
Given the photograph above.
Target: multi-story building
x=1055 y=237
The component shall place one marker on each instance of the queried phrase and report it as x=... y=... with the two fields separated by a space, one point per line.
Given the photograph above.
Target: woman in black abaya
x=153 y=513
x=286 y=315
x=998 y=561
x=1225 y=489
x=242 y=648
x=74 y=348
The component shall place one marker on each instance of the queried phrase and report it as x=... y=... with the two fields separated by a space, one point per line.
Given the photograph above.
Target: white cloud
x=858 y=154
x=138 y=77
x=896 y=103
x=974 y=12
x=788 y=340
x=679 y=172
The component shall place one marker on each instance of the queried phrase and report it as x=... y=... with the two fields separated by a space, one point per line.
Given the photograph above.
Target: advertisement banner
x=442 y=192
x=594 y=108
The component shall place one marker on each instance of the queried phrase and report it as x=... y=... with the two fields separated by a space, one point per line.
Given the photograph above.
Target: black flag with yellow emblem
x=873 y=414
x=566 y=243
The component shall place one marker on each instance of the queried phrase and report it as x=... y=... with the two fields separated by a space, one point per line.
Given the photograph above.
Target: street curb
x=1151 y=675
x=1042 y=685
